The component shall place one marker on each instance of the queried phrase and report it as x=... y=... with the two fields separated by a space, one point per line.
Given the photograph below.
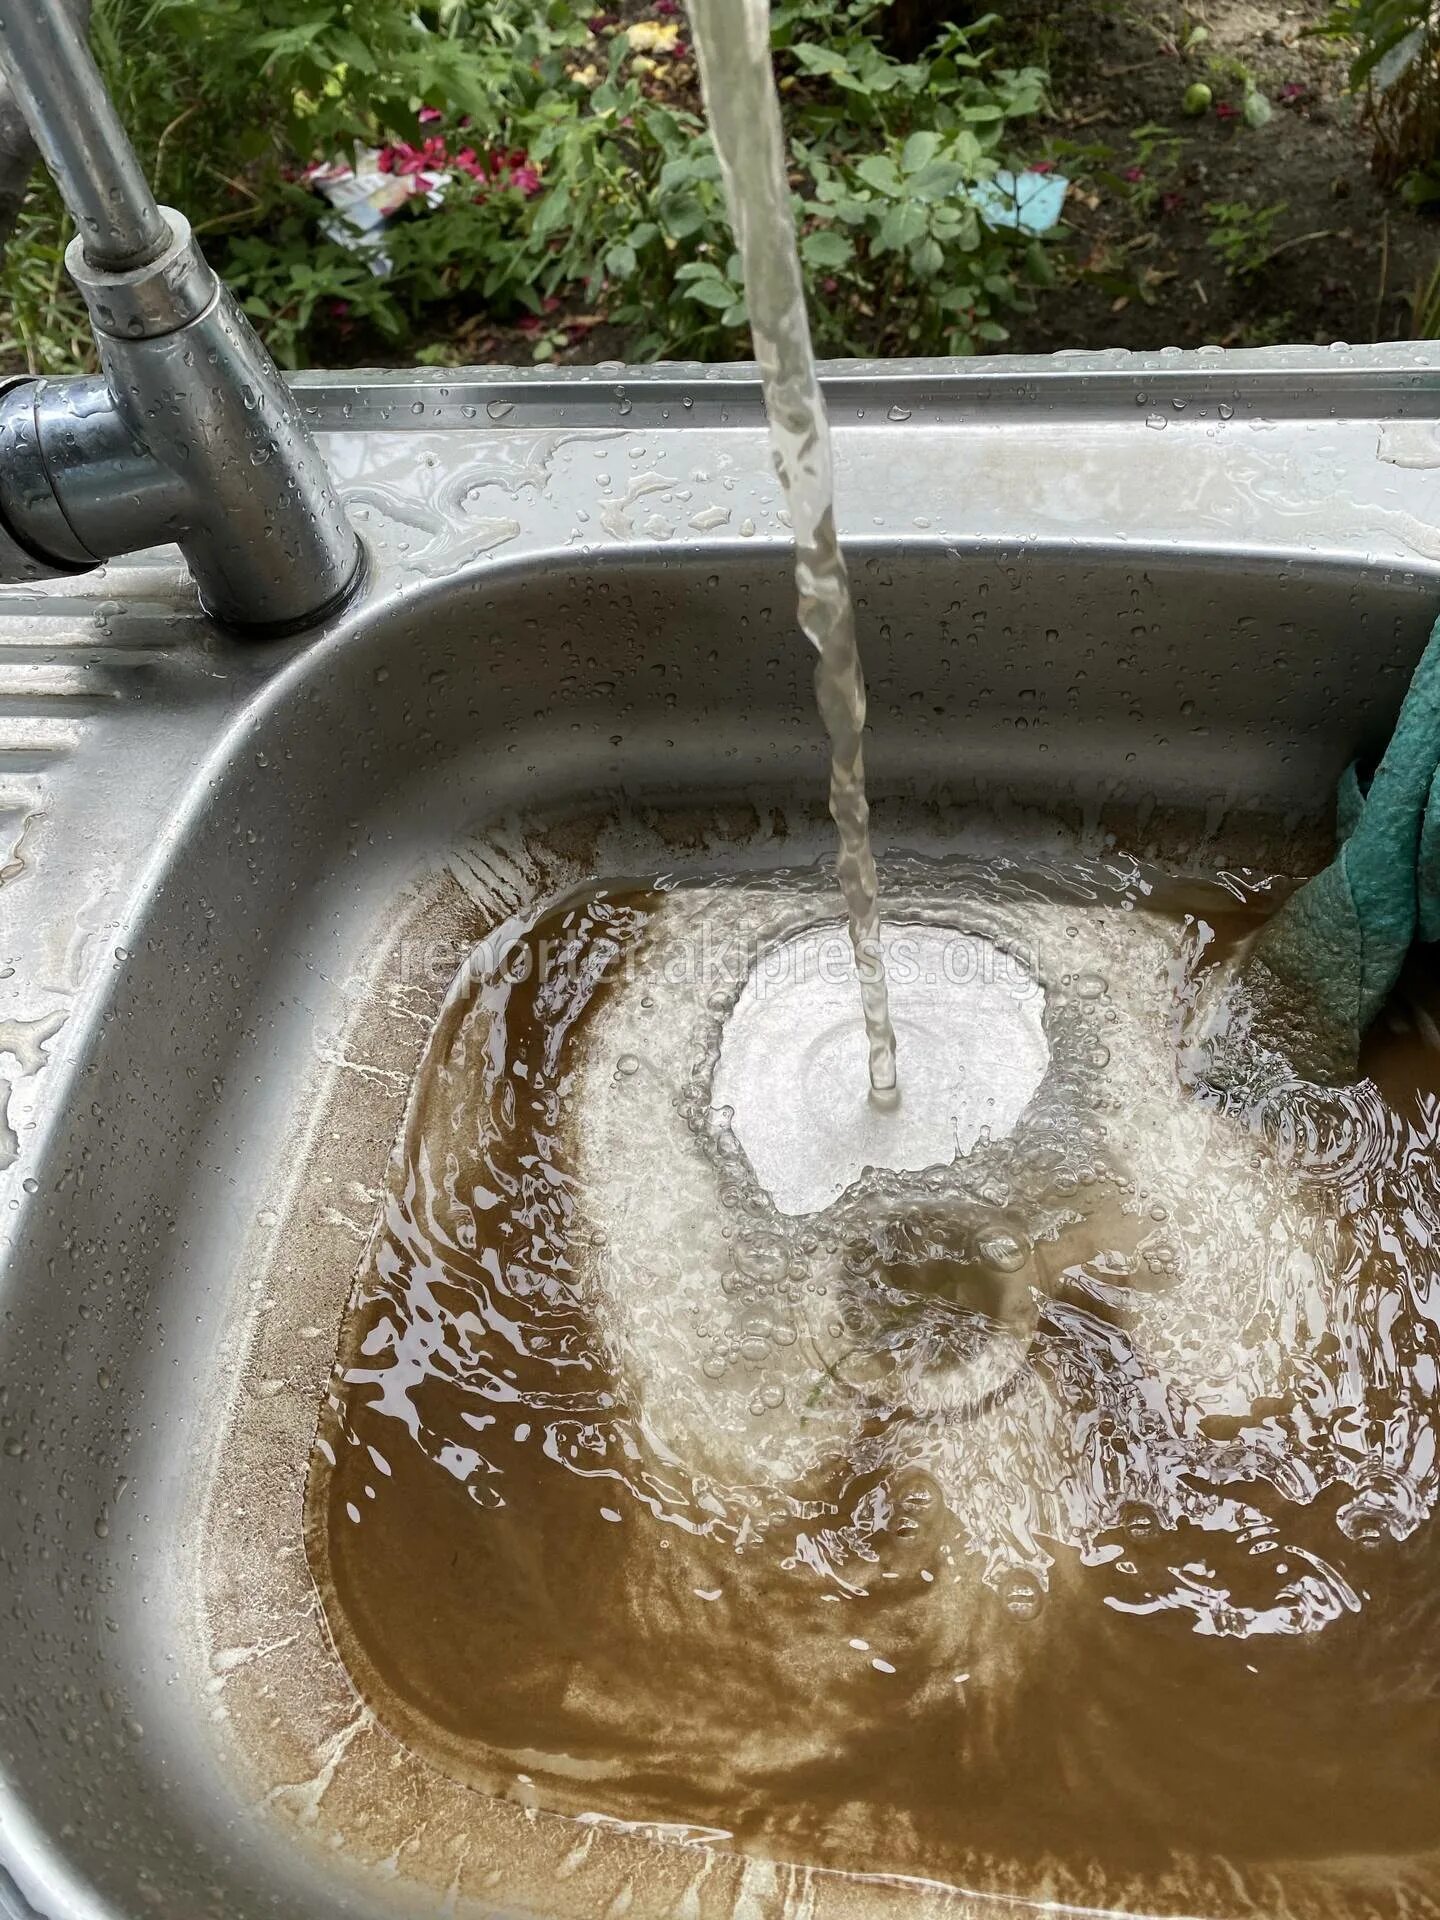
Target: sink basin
x=1153 y=603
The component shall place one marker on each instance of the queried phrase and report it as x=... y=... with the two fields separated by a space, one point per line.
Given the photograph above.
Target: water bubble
x=1139 y=1520
x=1003 y=1250
x=1371 y=1520
x=762 y=1256
x=1022 y=1593
x=628 y=1063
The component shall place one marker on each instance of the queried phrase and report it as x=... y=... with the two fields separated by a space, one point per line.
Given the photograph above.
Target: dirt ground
x=1346 y=258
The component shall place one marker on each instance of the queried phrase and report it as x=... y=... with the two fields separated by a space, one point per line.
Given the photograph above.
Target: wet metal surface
x=1164 y=599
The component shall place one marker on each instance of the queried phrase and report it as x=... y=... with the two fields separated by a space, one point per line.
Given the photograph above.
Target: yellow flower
x=641 y=65
x=650 y=36
x=586 y=76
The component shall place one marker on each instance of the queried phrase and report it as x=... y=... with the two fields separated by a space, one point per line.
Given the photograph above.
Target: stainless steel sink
x=1160 y=598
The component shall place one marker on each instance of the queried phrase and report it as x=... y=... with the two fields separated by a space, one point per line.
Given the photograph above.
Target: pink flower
x=428 y=115
x=340 y=309
x=1171 y=202
x=666 y=8
x=526 y=180
x=830 y=284
x=1133 y=174
x=680 y=50
x=1293 y=90
x=1224 y=111
x=1042 y=166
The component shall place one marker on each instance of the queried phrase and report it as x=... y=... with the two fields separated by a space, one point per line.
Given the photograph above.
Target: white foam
x=793 y=1065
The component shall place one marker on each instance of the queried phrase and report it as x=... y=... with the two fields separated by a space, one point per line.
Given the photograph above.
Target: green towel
x=1320 y=971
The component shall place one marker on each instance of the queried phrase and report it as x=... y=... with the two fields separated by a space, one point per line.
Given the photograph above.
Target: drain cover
x=793 y=1067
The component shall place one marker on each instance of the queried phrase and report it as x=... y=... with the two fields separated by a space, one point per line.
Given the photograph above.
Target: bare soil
x=1346 y=256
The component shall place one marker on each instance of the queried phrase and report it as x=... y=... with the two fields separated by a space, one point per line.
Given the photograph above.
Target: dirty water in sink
x=1050 y=1520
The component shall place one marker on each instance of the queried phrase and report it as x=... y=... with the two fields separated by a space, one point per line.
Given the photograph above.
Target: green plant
x=1425 y=308
x=1243 y=234
x=1395 y=69
x=1267 y=330
x=581 y=181
x=1233 y=73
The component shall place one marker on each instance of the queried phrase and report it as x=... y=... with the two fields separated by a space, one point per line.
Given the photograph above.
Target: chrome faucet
x=189 y=434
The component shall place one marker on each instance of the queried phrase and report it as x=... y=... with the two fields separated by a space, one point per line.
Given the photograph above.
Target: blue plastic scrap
x=1028 y=202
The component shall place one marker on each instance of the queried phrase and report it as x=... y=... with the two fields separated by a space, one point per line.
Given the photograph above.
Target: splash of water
x=732 y=40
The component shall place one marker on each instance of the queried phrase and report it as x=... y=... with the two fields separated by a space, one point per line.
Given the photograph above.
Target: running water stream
x=732 y=39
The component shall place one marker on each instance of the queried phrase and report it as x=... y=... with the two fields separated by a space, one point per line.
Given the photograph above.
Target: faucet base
x=191 y=436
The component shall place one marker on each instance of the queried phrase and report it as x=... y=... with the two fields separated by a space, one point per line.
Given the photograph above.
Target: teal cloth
x=1322 y=968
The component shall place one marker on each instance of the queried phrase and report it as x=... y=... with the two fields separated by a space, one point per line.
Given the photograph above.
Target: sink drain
x=971 y=1052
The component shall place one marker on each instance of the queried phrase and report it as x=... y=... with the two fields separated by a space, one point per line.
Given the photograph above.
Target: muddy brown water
x=1208 y=1637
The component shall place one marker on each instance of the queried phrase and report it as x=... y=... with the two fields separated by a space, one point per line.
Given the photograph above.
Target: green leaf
x=901 y=227
x=821 y=59
x=1039 y=265
x=878 y=170
x=826 y=248
x=919 y=150
x=928 y=258
x=937 y=181
x=1257 y=109
x=712 y=293
x=683 y=218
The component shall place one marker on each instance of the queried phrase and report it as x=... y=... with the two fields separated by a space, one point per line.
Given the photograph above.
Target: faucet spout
x=194 y=436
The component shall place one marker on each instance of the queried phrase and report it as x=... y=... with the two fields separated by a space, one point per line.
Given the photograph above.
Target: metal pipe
x=55 y=79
